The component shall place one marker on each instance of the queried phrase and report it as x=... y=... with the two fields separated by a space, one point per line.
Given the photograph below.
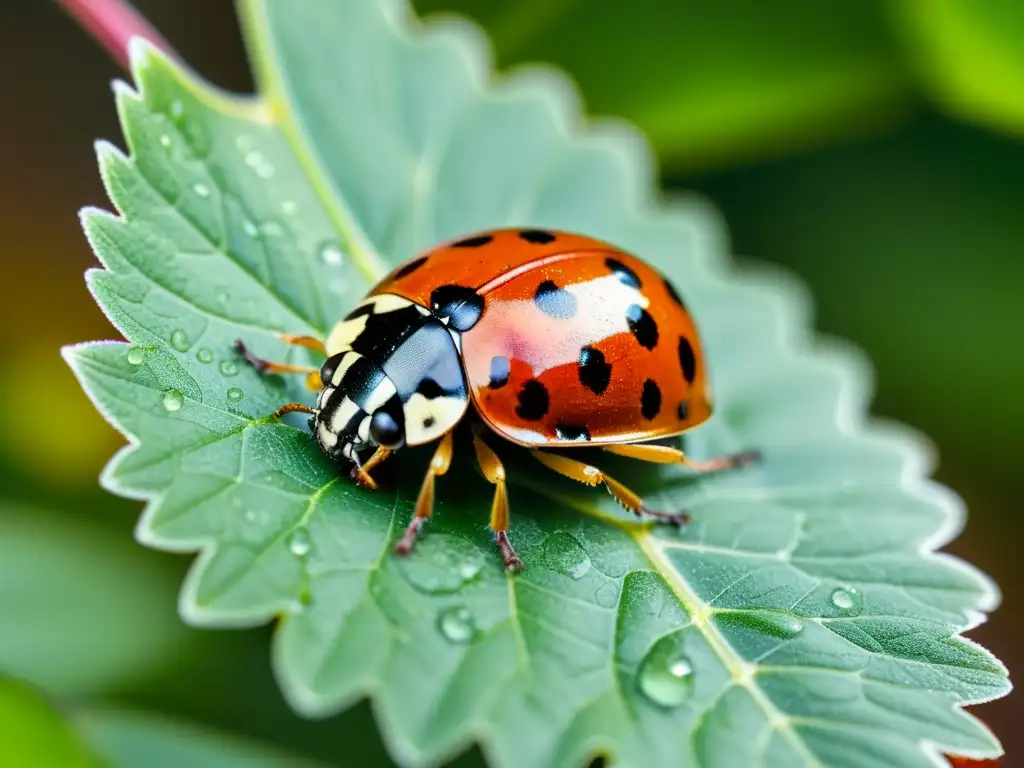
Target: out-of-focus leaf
x=127 y=739
x=803 y=619
x=82 y=610
x=970 y=55
x=33 y=734
x=713 y=84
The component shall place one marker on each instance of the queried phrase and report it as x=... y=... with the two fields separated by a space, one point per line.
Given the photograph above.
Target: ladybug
x=550 y=340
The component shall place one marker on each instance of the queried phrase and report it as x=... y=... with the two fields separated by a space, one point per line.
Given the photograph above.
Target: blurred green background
x=876 y=149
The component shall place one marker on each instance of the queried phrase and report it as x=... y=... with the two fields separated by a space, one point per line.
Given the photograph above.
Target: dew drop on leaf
x=456 y=624
x=180 y=341
x=265 y=171
x=165 y=141
x=136 y=356
x=665 y=676
x=201 y=189
x=249 y=228
x=607 y=595
x=173 y=400
x=235 y=395
x=205 y=356
x=254 y=159
x=299 y=543
x=289 y=207
x=331 y=254
x=848 y=600
x=562 y=553
x=243 y=142
x=443 y=563
x=228 y=367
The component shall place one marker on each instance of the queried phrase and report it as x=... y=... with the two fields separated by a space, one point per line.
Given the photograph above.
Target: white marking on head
x=427 y=419
x=343 y=414
x=380 y=395
x=328 y=438
x=346 y=362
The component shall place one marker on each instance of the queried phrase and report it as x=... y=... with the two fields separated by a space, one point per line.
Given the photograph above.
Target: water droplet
x=456 y=624
x=180 y=340
x=254 y=159
x=607 y=596
x=443 y=563
x=265 y=171
x=136 y=356
x=165 y=141
x=177 y=109
x=244 y=142
x=235 y=395
x=173 y=400
x=228 y=367
x=848 y=600
x=249 y=228
x=299 y=543
x=201 y=189
x=289 y=207
x=562 y=553
x=249 y=515
x=665 y=676
x=205 y=356
x=222 y=297
x=331 y=254
x=271 y=228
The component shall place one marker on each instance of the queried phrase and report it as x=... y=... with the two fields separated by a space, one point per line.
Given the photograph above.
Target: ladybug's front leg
x=361 y=472
x=494 y=471
x=439 y=464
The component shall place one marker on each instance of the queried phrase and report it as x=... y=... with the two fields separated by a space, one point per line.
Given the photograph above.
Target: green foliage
x=713 y=84
x=33 y=734
x=970 y=56
x=127 y=739
x=101 y=628
x=802 y=619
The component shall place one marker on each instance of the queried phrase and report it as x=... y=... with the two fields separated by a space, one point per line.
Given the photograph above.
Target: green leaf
x=126 y=739
x=802 y=619
x=970 y=56
x=84 y=610
x=714 y=84
x=33 y=734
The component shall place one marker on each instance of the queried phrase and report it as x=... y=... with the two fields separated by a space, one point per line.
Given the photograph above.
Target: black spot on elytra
x=594 y=371
x=409 y=268
x=575 y=433
x=650 y=400
x=473 y=242
x=462 y=306
x=499 y=372
x=537 y=236
x=428 y=422
x=554 y=301
x=683 y=410
x=642 y=326
x=626 y=275
x=687 y=359
x=674 y=294
x=533 y=401
x=430 y=389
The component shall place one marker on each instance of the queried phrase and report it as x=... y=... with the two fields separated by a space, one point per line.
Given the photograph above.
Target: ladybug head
x=394 y=384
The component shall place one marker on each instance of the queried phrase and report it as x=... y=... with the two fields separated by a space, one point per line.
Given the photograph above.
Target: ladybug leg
x=265 y=366
x=425 y=501
x=663 y=454
x=494 y=471
x=592 y=476
x=361 y=472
